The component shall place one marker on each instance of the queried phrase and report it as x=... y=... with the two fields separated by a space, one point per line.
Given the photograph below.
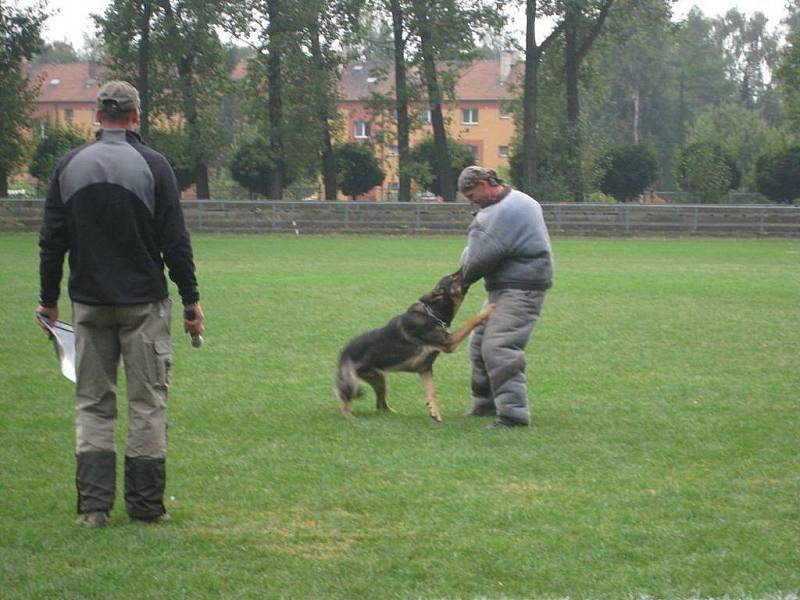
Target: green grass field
x=663 y=461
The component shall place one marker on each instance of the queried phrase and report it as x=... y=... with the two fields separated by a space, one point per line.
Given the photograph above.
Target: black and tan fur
x=409 y=343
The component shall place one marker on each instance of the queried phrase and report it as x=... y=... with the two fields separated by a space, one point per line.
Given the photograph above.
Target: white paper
x=63 y=337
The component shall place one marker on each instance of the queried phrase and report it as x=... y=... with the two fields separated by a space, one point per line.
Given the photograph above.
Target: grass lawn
x=663 y=460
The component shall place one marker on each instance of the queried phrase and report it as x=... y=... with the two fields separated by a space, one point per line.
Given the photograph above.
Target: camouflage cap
x=117 y=98
x=473 y=174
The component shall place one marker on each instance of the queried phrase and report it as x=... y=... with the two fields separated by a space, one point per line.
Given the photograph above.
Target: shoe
x=94 y=519
x=162 y=518
x=481 y=412
x=506 y=423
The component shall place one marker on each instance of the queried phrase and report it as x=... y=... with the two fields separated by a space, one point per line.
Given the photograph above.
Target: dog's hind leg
x=377 y=380
x=430 y=395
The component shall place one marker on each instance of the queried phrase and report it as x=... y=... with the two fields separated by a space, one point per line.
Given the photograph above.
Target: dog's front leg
x=458 y=336
x=430 y=396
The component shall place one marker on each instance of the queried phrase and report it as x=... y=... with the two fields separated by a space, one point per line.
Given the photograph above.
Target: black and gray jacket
x=113 y=205
x=509 y=246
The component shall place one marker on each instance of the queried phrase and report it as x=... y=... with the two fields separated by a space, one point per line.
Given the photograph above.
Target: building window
x=69 y=115
x=425 y=115
x=361 y=130
x=502 y=151
x=469 y=116
x=473 y=149
x=505 y=113
x=394 y=150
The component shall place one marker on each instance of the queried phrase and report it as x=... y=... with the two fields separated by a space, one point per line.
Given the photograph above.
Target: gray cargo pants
x=497 y=354
x=139 y=333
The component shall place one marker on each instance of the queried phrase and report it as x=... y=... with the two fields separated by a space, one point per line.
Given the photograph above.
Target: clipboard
x=63 y=336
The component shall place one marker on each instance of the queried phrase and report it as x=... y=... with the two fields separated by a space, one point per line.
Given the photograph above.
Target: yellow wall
x=491 y=132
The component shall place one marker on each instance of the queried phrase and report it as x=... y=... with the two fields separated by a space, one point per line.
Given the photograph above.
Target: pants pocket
x=162 y=361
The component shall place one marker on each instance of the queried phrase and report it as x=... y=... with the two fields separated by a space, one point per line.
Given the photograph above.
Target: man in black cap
x=113 y=208
x=509 y=247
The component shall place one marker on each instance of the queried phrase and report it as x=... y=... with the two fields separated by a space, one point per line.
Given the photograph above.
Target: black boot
x=145 y=479
x=96 y=479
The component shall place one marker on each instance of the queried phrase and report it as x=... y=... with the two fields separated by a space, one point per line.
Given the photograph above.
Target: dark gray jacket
x=113 y=206
x=509 y=246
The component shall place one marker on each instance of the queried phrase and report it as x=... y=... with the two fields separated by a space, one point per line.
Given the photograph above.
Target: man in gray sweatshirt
x=509 y=247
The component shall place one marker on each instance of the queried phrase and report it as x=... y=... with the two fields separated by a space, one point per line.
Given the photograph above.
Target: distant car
x=17 y=192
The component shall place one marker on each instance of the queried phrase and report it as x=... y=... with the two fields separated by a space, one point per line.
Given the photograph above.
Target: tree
x=20 y=30
x=251 y=165
x=171 y=49
x=704 y=171
x=742 y=134
x=750 y=50
x=788 y=73
x=57 y=52
x=174 y=142
x=628 y=171
x=778 y=175
x=582 y=24
x=401 y=100
x=357 y=168
x=55 y=143
x=533 y=56
x=423 y=164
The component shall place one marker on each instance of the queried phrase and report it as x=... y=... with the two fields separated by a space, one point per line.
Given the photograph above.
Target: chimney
x=506 y=62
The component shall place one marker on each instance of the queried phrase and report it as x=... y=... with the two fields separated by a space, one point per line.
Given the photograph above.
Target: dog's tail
x=346 y=385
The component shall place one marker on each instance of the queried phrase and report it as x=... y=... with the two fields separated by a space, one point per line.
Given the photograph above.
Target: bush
x=423 y=167
x=707 y=172
x=55 y=144
x=357 y=169
x=251 y=165
x=174 y=143
x=626 y=171
x=778 y=175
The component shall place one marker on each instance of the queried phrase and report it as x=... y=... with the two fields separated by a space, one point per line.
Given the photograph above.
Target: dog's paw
x=484 y=314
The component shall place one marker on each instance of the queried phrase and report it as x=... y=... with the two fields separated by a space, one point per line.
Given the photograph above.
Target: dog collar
x=432 y=315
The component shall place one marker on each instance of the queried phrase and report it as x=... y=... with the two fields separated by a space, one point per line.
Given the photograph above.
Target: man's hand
x=50 y=314
x=194 y=326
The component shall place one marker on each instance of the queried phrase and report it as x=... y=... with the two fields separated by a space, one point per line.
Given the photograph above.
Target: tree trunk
x=636 y=118
x=573 y=107
x=443 y=167
x=275 y=100
x=530 y=144
x=324 y=103
x=401 y=93
x=144 y=70
x=3 y=183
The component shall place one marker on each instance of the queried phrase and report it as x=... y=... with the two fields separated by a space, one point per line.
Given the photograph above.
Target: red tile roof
x=479 y=81
x=69 y=82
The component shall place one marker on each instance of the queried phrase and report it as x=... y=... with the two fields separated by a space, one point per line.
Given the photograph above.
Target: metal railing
x=665 y=220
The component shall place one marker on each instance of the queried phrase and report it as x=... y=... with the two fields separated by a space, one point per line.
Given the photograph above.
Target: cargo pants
x=497 y=353
x=140 y=335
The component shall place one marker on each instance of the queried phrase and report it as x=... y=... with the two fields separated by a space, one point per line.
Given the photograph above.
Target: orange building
x=478 y=117
x=66 y=93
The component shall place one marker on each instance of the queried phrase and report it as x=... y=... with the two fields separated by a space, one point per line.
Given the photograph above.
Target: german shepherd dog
x=409 y=343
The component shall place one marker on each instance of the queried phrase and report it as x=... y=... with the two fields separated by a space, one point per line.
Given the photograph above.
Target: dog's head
x=446 y=297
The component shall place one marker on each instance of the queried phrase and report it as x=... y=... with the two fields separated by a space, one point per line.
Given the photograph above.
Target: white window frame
x=361 y=130
x=502 y=151
x=394 y=150
x=506 y=113
x=469 y=116
x=425 y=115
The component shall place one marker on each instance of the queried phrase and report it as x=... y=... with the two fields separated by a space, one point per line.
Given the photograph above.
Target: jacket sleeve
x=481 y=256
x=173 y=238
x=53 y=245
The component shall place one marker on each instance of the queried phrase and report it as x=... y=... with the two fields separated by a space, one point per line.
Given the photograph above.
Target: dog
x=408 y=343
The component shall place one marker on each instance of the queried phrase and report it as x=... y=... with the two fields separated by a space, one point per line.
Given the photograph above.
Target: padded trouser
x=497 y=354
x=140 y=334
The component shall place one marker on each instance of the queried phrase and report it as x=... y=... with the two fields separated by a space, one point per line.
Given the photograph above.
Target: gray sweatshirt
x=509 y=246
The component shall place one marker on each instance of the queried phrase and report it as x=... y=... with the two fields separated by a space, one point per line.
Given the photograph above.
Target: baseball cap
x=473 y=174
x=117 y=98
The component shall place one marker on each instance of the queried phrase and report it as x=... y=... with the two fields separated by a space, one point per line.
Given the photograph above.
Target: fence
x=441 y=219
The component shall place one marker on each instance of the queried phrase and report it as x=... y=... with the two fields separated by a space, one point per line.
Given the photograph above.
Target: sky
x=72 y=21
